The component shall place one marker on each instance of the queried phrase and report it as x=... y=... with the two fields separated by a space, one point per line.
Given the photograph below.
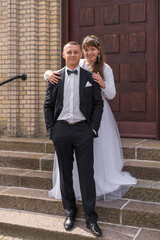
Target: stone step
x=26 y=160
x=31 y=160
x=143 y=149
x=26 y=178
x=42 y=179
x=142 y=169
x=38 y=145
x=144 y=190
x=46 y=227
x=124 y=212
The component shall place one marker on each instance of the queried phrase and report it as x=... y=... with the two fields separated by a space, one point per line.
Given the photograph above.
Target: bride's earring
x=99 y=57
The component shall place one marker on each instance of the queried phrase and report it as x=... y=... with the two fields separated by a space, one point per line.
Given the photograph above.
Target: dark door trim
x=158 y=71
x=65 y=6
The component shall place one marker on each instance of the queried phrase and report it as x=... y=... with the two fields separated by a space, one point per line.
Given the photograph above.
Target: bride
x=111 y=182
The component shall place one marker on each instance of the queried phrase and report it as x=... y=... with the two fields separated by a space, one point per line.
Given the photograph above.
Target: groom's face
x=72 y=55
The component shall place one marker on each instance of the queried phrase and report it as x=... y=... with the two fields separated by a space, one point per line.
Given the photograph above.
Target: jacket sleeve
x=49 y=106
x=97 y=108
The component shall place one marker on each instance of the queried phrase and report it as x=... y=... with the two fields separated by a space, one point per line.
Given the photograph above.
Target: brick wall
x=4 y=115
x=30 y=44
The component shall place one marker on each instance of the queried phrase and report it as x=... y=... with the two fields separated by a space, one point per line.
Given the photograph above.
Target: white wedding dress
x=111 y=182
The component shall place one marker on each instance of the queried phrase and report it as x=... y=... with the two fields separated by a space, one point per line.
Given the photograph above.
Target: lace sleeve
x=109 y=91
x=45 y=74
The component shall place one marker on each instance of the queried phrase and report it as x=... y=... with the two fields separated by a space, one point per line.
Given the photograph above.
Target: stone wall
x=30 y=44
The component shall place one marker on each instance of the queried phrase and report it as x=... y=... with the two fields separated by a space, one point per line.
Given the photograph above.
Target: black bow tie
x=74 y=71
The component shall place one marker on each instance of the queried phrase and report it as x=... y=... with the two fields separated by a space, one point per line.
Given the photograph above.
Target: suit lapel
x=82 y=83
x=61 y=85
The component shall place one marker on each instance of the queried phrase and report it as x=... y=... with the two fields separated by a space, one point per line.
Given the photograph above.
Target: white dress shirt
x=71 y=112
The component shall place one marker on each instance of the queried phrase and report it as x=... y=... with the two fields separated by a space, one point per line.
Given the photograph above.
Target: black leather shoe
x=69 y=223
x=95 y=229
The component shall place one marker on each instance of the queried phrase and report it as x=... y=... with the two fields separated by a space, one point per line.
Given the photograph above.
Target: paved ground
x=9 y=238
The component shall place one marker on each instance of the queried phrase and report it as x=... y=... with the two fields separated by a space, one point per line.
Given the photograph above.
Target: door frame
x=65 y=5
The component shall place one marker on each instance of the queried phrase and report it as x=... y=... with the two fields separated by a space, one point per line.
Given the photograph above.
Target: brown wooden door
x=127 y=30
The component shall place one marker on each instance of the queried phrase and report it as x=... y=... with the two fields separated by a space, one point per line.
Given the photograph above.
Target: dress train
x=111 y=182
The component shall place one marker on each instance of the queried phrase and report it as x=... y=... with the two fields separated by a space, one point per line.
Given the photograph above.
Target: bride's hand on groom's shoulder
x=97 y=78
x=53 y=77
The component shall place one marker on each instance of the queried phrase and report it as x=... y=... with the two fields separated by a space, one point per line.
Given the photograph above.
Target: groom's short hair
x=72 y=43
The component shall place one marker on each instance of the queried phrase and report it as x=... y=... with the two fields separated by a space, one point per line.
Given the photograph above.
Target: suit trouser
x=79 y=139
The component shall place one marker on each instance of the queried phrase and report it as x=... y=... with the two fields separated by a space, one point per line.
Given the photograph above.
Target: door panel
x=127 y=31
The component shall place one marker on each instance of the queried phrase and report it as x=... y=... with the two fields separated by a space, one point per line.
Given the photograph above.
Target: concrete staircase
x=27 y=211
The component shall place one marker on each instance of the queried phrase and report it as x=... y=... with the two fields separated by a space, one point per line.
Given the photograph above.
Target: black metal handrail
x=23 y=77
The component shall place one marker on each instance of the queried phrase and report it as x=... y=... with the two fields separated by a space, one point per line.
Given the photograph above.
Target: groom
x=73 y=109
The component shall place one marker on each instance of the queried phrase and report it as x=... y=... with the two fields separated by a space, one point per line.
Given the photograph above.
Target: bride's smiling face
x=90 y=54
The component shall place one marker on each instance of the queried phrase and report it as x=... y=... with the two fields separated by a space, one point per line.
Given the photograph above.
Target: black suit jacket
x=91 y=103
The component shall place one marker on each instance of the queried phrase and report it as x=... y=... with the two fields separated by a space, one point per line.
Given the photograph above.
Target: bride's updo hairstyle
x=93 y=41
